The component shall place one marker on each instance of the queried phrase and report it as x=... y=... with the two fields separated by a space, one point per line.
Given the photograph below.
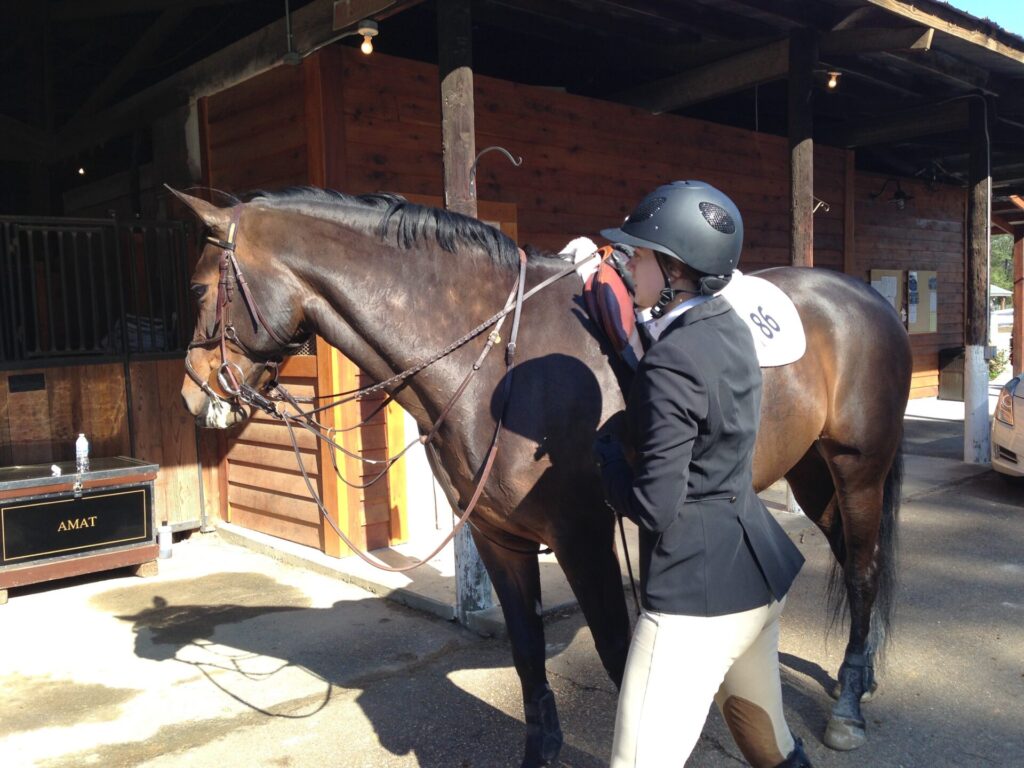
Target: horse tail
x=883 y=611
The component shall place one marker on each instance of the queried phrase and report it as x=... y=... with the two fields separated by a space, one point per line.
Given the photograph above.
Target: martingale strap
x=515 y=304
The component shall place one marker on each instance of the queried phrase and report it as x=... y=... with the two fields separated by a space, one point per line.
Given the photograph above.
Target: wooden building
x=855 y=135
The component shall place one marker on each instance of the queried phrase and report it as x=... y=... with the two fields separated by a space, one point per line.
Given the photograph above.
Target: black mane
x=394 y=219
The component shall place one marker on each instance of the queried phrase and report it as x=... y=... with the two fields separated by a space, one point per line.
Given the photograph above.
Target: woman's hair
x=674 y=268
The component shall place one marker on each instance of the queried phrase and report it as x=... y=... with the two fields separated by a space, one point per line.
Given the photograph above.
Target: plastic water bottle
x=81 y=454
x=165 y=539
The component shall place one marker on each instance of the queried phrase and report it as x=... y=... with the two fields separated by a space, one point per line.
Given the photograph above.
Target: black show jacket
x=708 y=546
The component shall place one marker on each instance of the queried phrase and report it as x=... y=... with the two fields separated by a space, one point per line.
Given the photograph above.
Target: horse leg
x=588 y=560
x=814 y=490
x=515 y=575
x=862 y=500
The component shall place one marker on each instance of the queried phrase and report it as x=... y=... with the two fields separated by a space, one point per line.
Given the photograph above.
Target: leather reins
x=237 y=389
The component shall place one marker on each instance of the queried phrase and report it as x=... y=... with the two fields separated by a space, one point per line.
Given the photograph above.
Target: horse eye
x=198 y=290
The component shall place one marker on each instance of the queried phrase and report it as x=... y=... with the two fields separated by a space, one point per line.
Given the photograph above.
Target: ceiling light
x=833 y=80
x=368 y=29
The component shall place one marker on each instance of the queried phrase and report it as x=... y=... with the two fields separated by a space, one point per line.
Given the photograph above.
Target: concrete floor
x=230 y=657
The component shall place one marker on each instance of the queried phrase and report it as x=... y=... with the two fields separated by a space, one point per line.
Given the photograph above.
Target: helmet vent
x=646 y=209
x=718 y=217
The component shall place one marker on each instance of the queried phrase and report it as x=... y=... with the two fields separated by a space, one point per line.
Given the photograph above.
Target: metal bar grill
x=74 y=288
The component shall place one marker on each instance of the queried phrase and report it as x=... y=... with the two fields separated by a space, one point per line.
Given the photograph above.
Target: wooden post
x=1017 y=343
x=979 y=215
x=803 y=55
x=849 y=211
x=455 y=58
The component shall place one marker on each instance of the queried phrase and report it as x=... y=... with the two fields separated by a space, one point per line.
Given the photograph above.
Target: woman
x=714 y=565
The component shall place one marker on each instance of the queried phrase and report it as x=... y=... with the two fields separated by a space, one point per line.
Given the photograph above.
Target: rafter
x=23 y=142
x=144 y=48
x=923 y=121
x=951 y=22
x=75 y=10
x=849 y=42
x=737 y=73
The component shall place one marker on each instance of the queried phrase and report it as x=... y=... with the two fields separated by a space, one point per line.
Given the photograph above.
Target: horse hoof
x=843 y=734
x=837 y=691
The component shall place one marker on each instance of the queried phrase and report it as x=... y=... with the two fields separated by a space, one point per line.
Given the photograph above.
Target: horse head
x=249 y=315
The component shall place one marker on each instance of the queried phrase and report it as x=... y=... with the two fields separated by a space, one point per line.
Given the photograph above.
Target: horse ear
x=212 y=216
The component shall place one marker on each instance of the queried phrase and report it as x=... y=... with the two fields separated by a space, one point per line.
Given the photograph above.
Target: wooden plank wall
x=927 y=234
x=165 y=433
x=254 y=136
x=255 y=133
x=40 y=427
x=586 y=162
x=266 y=491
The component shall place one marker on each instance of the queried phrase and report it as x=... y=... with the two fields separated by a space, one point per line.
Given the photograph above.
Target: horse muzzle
x=221 y=414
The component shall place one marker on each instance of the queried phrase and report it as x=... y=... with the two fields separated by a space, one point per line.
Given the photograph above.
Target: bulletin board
x=922 y=301
x=891 y=283
x=914 y=294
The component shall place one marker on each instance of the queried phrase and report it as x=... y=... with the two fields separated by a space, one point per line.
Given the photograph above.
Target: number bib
x=771 y=317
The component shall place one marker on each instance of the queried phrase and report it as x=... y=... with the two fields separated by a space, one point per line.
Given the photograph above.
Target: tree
x=1001 y=261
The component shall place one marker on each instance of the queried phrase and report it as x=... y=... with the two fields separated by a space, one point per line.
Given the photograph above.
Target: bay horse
x=388 y=283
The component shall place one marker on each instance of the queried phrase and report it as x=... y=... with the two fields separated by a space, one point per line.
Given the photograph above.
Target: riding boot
x=797 y=758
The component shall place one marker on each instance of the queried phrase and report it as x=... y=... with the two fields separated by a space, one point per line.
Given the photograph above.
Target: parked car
x=1008 y=430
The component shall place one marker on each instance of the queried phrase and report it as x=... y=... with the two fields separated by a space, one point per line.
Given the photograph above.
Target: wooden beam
x=978 y=217
x=144 y=48
x=1017 y=335
x=737 y=73
x=803 y=56
x=949 y=22
x=850 y=42
x=976 y=309
x=349 y=12
x=1003 y=224
x=849 y=209
x=458 y=136
x=939 y=118
x=20 y=142
x=949 y=69
x=1008 y=176
x=256 y=53
x=75 y=10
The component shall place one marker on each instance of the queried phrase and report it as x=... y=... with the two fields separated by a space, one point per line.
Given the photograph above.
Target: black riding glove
x=616 y=474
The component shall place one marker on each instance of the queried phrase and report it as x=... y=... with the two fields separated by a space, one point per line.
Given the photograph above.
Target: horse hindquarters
x=515 y=574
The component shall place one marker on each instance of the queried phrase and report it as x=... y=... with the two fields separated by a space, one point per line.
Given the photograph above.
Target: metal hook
x=516 y=161
x=819 y=203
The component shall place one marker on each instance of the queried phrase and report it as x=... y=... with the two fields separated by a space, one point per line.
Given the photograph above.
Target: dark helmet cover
x=690 y=221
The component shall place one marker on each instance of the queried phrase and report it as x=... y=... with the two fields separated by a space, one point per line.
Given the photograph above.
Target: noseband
x=229 y=374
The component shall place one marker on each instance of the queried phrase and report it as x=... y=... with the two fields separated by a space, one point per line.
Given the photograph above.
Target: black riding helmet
x=690 y=221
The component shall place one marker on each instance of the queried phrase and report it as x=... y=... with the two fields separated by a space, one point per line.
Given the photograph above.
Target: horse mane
x=394 y=219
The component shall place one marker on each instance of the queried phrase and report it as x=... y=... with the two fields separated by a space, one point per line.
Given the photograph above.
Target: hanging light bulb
x=368 y=29
x=833 y=80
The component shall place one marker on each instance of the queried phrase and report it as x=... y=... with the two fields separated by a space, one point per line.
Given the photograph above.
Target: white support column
x=977 y=437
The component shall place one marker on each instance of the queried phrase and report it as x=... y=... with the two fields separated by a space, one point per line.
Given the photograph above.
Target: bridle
x=229 y=375
x=239 y=391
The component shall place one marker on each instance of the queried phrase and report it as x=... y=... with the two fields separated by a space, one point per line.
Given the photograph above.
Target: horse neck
x=389 y=308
